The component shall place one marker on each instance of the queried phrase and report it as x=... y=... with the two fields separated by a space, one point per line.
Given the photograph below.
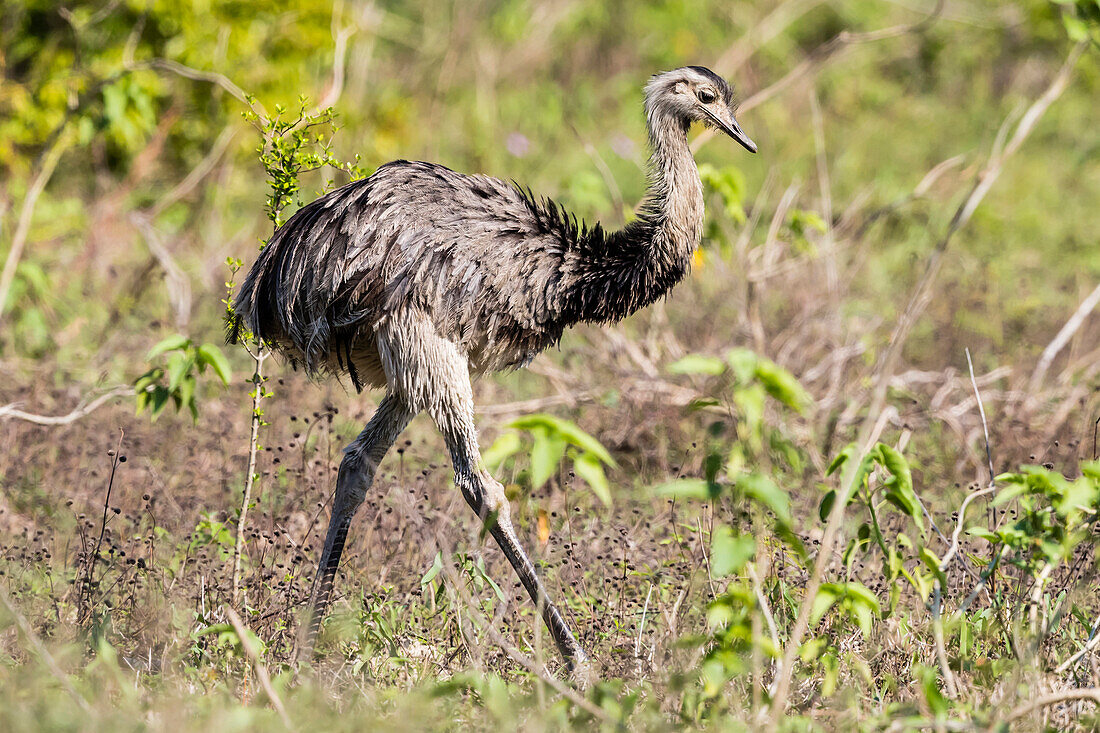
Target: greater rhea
x=419 y=278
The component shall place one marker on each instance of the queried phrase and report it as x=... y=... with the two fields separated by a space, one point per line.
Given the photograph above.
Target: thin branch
x=26 y=214
x=1053 y=698
x=1093 y=640
x=954 y=548
x=197 y=174
x=774 y=23
x=340 y=37
x=922 y=293
x=179 y=287
x=12 y=411
x=981 y=412
x=253 y=449
x=213 y=77
x=1062 y=338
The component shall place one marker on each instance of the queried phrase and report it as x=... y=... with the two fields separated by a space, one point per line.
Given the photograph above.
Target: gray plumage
x=417 y=277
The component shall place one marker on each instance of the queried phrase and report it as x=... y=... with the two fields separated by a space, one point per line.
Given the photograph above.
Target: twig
x=26 y=213
x=340 y=39
x=952 y=687
x=43 y=652
x=988 y=450
x=78 y=412
x=199 y=172
x=954 y=548
x=258 y=664
x=213 y=77
x=1053 y=698
x=824 y=557
x=90 y=561
x=179 y=287
x=981 y=412
x=922 y=293
x=982 y=581
x=253 y=448
x=641 y=626
x=1091 y=644
x=1062 y=338
x=1037 y=596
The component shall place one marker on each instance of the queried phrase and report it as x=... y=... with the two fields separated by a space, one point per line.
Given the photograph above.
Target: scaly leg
x=486 y=497
x=357 y=471
x=431 y=373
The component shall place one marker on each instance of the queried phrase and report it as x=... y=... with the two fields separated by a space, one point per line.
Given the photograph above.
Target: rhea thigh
x=431 y=373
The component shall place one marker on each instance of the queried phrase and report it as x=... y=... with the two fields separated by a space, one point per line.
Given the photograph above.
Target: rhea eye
x=706 y=96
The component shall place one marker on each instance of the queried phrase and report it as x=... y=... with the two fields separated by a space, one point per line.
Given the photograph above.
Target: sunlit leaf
x=589 y=468
x=212 y=355
x=765 y=491
x=169 y=344
x=502 y=448
x=729 y=550
x=546 y=455
x=697 y=364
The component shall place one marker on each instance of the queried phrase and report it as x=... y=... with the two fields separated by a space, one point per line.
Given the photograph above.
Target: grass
x=690 y=588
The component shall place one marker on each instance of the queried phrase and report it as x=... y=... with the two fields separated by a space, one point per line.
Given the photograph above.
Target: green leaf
x=862 y=594
x=546 y=455
x=864 y=617
x=434 y=570
x=844 y=455
x=826 y=506
x=179 y=366
x=937 y=703
x=743 y=363
x=826 y=596
x=765 y=491
x=150 y=377
x=782 y=385
x=932 y=561
x=212 y=355
x=1006 y=495
x=589 y=468
x=812 y=649
x=502 y=448
x=729 y=550
x=984 y=534
x=900 y=487
x=697 y=364
x=187 y=393
x=566 y=430
x=895 y=463
x=169 y=344
x=1077 y=29
x=159 y=401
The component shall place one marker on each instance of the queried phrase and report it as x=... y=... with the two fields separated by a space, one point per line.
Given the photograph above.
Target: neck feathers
x=616 y=274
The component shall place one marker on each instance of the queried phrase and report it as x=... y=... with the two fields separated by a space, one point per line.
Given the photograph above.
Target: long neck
x=620 y=272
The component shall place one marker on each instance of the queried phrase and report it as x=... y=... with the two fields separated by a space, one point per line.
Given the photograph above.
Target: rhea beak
x=731 y=128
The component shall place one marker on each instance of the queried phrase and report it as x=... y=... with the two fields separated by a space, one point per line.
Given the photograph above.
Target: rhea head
x=694 y=94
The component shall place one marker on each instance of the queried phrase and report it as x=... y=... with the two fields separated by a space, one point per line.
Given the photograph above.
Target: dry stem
x=253 y=448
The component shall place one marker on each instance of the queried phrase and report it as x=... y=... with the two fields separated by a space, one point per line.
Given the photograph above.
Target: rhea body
x=418 y=278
